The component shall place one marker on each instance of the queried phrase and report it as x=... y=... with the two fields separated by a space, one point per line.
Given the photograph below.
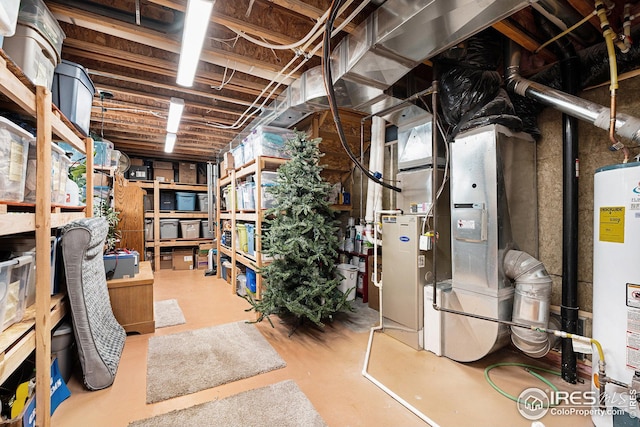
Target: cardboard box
x=183 y=259
x=202 y=262
x=202 y=174
x=162 y=165
x=187 y=173
x=163 y=175
x=374 y=300
x=166 y=261
x=101 y=180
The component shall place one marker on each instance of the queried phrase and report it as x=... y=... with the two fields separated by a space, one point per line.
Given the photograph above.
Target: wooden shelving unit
x=254 y=167
x=157 y=215
x=34 y=331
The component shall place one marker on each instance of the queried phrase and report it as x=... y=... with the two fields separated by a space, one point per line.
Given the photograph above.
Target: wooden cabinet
x=34 y=332
x=233 y=215
x=132 y=300
x=157 y=213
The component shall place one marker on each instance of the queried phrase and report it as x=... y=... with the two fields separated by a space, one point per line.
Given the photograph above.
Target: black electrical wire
x=333 y=105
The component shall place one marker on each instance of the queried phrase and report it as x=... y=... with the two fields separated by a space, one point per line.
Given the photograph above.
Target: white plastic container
x=8 y=17
x=58 y=187
x=270 y=141
x=348 y=280
x=148 y=229
x=190 y=228
x=35 y=14
x=268 y=179
x=14 y=278
x=14 y=152
x=33 y=54
x=63 y=198
x=169 y=228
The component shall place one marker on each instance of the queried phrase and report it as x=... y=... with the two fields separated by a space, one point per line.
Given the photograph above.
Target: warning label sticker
x=612 y=224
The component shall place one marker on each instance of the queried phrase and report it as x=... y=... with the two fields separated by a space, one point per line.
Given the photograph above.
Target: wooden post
x=89 y=179
x=232 y=184
x=43 y=260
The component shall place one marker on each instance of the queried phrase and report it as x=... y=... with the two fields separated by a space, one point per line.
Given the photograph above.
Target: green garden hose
x=529 y=368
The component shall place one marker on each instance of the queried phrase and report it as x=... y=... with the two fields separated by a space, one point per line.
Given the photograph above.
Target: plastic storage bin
x=251 y=242
x=8 y=17
x=203 y=202
x=248 y=196
x=349 y=274
x=270 y=141
x=58 y=191
x=14 y=277
x=65 y=164
x=190 y=228
x=169 y=228
x=14 y=152
x=34 y=55
x=35 y=14
x=167 y=201
x=251 y=280
x=204 y=229
x=102 y=153
x=243 y=244
x=61 y=347
x=268 y=179
x=238 y=155
x=148 y=229
x=72 y=91
x=185 y=201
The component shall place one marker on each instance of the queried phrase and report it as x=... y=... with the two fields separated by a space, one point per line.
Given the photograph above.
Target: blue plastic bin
x=251 y=248
x=251 y=280
x=185 y=201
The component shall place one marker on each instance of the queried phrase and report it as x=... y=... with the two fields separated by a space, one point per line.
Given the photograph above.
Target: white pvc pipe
x=378 y=284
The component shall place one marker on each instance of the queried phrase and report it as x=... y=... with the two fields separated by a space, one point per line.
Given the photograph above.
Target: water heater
x=616 y=285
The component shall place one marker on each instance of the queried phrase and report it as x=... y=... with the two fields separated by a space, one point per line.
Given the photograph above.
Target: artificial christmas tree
x=302 y=237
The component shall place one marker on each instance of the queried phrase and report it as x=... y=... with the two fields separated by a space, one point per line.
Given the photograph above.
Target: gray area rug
x=167 y=313
x=187 y=362
x=279 y=405
x=360 y=320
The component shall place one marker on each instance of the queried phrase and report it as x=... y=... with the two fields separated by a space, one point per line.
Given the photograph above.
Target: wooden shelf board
x=170 y=185
x=178 y=214
x=179 y=242
x=19 y=340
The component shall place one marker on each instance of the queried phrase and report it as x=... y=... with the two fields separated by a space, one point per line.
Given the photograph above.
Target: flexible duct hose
x=531 y=301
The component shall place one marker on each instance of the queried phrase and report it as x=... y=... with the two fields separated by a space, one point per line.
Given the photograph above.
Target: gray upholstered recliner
x=99 y=336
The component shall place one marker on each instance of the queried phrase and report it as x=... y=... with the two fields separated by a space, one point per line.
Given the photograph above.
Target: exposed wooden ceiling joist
x=166 y=42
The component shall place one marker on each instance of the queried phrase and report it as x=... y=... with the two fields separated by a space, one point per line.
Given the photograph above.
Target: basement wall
x=594 y=153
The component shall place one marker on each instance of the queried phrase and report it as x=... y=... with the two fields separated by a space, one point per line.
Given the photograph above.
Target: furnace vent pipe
x=531 y=302
x=626 y=126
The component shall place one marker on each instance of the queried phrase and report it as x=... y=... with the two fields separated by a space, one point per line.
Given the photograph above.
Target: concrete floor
x=327 y=366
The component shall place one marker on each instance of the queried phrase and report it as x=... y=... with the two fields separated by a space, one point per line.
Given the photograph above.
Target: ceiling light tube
x=170 y=142
x=175 y=114
x=195 y=29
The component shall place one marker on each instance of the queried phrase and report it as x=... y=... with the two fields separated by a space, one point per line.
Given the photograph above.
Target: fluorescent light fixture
x=195 y=29
x=170 y=142
x=175 y=114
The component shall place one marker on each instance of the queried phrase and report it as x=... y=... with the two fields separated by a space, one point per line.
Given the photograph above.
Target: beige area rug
x=360 y=320
x=167 y=313
x=187 y=362
x=278 y=405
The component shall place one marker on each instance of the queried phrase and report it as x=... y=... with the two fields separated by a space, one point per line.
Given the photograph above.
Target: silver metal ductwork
x=391 y=42
x=493 y=210
x=626 y=126
x=531 y=302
